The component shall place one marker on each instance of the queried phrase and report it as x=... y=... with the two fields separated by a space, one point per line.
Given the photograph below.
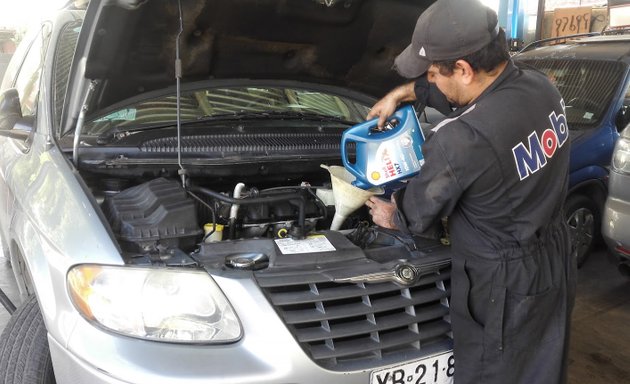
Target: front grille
x=346 y=326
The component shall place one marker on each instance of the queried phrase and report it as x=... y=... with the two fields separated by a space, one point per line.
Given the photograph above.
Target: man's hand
x=386 y=106
x=382 y=211
x=383 y=109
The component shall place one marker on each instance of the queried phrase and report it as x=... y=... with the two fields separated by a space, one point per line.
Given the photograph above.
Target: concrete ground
x=600 y=333
x=600 y=344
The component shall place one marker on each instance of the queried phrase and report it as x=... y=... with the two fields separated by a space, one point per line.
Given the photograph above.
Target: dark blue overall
x=498 y=169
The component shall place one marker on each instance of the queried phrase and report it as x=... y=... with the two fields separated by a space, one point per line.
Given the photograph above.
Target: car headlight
x=156 y=304
x=621 y=156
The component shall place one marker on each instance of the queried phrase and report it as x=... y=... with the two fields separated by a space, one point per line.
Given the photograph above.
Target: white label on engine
x=312 y=244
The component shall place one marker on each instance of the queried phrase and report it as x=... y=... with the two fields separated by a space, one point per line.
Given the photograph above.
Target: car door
x=18 y=107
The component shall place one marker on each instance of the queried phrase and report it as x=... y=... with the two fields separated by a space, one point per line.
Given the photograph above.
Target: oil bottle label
x=394 y=159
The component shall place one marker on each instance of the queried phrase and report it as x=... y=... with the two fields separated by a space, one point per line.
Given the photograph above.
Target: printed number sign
x=570 y=21
x=437 y=369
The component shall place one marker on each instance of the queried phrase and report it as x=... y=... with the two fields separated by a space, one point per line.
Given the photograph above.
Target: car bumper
x=168 y=363
x=267 y=353
x=615 y=224
x=124 y=360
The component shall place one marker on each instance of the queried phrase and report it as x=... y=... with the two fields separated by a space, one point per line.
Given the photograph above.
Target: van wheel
x=583 y=219
x=24 y=352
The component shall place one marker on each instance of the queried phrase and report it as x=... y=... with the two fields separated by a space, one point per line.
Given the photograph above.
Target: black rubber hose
x=261 y=200
x=6 y=302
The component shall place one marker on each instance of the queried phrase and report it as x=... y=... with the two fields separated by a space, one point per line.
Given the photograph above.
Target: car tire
x=24 y=352
x=583 y=218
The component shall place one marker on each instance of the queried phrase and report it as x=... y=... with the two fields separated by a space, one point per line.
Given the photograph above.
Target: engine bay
x=161 y=213
x=249 y=228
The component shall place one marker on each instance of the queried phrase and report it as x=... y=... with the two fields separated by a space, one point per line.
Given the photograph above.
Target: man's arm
x=386 y=106
x=427 y=198
x=383 y=212
x=420 y=89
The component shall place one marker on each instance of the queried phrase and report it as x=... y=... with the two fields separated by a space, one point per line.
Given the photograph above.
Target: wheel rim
x=582 y=226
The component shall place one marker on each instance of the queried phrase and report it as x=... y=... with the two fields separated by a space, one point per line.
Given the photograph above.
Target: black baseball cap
x=447 y=30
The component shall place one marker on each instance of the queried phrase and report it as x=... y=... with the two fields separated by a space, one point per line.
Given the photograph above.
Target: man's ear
x=467 y=72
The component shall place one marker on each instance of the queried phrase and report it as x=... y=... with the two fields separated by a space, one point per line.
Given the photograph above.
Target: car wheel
x=582 y=217
x=24 y=353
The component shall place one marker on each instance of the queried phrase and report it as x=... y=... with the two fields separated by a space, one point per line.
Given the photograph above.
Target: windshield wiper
x=118 y=133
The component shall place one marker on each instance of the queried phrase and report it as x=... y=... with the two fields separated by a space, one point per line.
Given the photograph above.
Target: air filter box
x=158 y=212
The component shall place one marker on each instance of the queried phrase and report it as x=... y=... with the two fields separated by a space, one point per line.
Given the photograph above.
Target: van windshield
x=202 y=104
x=587 y=87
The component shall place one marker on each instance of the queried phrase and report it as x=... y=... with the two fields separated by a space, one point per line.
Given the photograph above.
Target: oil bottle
x=384 y=156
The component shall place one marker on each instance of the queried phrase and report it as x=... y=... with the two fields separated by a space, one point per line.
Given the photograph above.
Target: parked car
x=591 y=73
x=129 y=127
x=617 y=209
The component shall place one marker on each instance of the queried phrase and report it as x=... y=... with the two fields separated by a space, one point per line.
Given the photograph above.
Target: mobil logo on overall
x=532 y=155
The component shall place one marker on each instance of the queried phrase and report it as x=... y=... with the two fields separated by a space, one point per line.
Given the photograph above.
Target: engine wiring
x=212 y=211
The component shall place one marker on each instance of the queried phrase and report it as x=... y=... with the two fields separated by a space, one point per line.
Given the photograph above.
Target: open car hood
x=131 y=44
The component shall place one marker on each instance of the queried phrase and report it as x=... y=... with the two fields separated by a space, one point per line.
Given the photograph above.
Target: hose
x=298 y=232
x=238 y=189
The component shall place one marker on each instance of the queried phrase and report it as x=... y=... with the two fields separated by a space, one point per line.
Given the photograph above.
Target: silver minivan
x=616 y=218
x=165 y=211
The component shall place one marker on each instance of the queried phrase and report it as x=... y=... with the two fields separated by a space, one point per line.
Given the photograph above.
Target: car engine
x=160 y=216
x=159 y=221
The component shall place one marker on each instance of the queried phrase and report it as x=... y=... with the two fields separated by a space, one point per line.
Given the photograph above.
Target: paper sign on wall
x=571 y=21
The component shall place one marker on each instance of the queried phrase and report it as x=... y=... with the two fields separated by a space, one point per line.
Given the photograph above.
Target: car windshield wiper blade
x=117 y=132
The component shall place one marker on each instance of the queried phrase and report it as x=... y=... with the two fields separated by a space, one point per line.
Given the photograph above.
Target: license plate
x=436 y=369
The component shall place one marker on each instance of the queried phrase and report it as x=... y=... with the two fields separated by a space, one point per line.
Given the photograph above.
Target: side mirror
x=10 y=109
x=12 y=123
x=622 y=118
x=10 y=103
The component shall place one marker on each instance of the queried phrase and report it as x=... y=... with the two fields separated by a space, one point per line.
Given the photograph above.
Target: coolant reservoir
x=209 y=235
x=385 y=156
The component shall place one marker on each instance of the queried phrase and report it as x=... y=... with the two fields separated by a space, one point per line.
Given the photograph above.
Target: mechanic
x=497 y=167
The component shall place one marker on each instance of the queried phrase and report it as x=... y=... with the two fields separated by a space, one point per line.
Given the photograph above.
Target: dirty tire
x=24 y=353
x=583 y=219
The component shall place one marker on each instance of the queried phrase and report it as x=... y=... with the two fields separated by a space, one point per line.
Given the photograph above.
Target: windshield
x=587 y=87
x=232 y=101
